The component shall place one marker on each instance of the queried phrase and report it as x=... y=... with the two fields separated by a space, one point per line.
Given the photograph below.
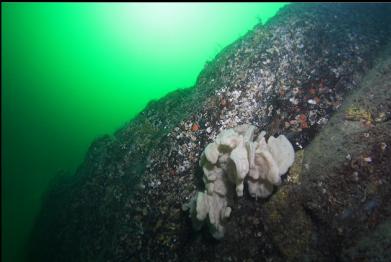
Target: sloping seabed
x=318 y=73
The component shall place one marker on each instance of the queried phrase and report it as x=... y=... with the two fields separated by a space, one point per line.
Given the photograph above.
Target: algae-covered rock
x=374 y=246
x=288 y=225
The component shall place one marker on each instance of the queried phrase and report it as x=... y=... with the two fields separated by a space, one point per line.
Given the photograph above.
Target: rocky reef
x=318 y=74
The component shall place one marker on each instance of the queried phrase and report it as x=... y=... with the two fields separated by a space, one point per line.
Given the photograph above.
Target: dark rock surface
x=287 y=77
x=341 y=194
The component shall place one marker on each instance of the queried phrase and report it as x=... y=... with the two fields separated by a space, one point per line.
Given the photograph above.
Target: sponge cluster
x=227 y=162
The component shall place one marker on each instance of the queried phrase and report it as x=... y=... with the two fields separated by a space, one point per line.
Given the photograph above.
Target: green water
x=73 y=72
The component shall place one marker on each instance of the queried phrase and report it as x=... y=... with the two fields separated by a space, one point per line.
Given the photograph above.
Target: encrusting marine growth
x=232 y=157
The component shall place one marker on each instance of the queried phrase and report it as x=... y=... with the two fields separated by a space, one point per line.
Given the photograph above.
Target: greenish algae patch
x=295 y=170
x=289 y=226
x=356 y=113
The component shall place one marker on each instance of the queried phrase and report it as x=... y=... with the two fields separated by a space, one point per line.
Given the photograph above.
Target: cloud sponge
x=227 y=162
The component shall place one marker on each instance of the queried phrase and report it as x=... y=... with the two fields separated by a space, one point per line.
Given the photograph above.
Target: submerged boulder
x=340 y=197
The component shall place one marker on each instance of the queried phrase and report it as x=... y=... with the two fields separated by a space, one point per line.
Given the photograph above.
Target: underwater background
x=74 y=72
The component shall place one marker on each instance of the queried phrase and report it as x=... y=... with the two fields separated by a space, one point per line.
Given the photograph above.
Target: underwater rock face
x=289 y=76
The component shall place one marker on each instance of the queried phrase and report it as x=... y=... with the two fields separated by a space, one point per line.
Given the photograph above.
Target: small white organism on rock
x=233 y=157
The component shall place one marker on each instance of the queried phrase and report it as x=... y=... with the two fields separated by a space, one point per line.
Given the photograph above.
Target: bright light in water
x=176 y=38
